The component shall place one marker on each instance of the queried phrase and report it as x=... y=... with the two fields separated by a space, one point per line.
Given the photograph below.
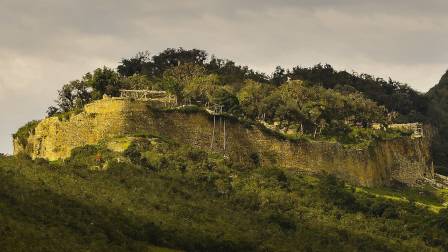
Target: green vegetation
x=24 y=132
x=315 y=102
x=158 y=195
x=147 y=193
x=438 y=112
x=395 y=96
x=296 y=109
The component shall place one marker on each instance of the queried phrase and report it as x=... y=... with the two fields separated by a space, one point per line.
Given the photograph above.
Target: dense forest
x=315 y=102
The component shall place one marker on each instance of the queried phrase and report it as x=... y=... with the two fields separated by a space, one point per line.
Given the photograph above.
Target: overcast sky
x=46 y=43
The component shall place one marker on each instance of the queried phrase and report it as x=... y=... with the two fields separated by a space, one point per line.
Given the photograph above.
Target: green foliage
x=438 y=108
x=104 y=81
x=200 y=88
x=363 y=137
x=228 y=100
x=175 y=79
x=188 y=199
x=319 y=107
x=72 y=96
x=77 y=93
x=139 y=82
x=251 y=96
x=317 y=102
x=395 y=96
x=279 y=135
x=333 y=190
x=25 y=131
x=187 y=109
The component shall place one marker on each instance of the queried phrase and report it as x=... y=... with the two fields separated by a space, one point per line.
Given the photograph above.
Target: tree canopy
x=318 y=100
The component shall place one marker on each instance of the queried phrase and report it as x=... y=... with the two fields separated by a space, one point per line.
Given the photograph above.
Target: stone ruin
x=415 y=128
x=148 y=95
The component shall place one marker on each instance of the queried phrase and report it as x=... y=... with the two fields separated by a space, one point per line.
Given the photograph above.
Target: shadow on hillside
x=34 y=217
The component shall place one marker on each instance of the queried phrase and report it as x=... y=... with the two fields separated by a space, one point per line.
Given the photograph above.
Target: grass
x=119 y=144
x=426 y=197
x=168 y=197
x=25 y=131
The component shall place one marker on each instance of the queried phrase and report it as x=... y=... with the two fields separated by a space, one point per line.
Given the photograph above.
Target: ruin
x=415 y=128
x=148 y=95
x=403 y=159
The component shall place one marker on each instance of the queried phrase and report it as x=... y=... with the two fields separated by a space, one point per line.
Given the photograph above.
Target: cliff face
x=405 y=159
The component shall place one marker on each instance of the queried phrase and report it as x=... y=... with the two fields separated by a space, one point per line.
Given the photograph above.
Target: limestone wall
x=55 y=138
x=405 y=159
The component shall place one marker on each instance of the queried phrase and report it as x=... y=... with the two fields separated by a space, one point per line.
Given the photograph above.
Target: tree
x=199 y=89
x=232 y=74
x=174 y=57
x=52 y=110
x=134 y=65
x=154 y=67
x=73 y=95
x=395 y=96
x=279 y=76
x=229 y=101
x=104 y=81
x=138 y=81
x=270 y=105
x=250 y=97
x=176 y=78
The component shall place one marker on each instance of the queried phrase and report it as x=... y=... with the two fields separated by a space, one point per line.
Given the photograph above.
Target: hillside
x=438 y=95
x=159 y=194
x=184 y=152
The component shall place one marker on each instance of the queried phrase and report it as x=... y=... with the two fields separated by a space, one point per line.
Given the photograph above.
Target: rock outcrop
x=404 y=159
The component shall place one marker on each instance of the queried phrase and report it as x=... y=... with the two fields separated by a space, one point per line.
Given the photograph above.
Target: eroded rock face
x=406 y=160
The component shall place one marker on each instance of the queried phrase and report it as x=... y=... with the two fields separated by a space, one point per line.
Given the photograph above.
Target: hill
x=159 y=194
x=218 y=157
x=438 y=112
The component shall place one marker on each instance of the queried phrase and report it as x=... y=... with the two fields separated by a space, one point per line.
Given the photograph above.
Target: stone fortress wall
x=405 y=159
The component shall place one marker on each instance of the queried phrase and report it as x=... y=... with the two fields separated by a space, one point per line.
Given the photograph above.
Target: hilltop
x=389 y=158
x=349 y=121
x=182 y=152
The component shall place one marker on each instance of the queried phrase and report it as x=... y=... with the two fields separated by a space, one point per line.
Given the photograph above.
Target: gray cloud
x=46 y=43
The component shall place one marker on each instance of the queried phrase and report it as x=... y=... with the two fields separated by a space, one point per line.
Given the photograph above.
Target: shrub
x=41 y=161
x=255 y=158
x=441 y=220
x=276 y=173
x=383 y=209
x=334 y=191
x=84 y=151
x=25 y=131
x=284 y=220
x=133 y=153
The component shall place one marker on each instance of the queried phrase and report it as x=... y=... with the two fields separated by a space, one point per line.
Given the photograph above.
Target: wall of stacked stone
x=406 y=160
x=379 y=164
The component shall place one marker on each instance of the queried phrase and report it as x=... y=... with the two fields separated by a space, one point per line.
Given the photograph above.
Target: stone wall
x=405 y=159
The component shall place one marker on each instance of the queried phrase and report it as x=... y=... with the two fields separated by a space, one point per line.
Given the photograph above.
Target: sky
x=47 y=43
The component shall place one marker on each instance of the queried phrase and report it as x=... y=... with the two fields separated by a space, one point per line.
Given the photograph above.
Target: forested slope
x=438 y=114
x=159 y=193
